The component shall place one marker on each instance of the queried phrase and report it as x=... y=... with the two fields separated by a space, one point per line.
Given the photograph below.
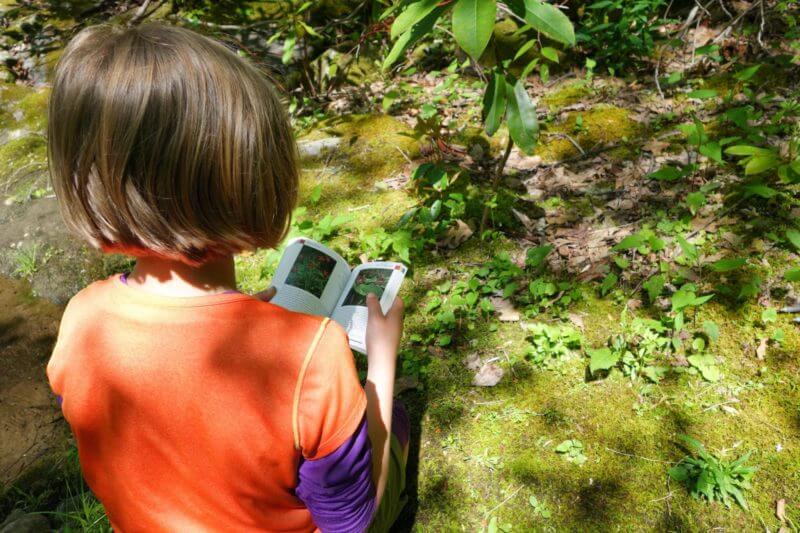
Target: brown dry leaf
x=506 y=312
x=519 y=161
x=634 y=304
x=489 y=375
x=472 y=362
x=577 y=320
x=655 y=147
x=780 y=510
x=456 y=235
x=761 y=351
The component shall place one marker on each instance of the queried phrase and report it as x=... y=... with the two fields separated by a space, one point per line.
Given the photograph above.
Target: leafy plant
x=635 y=351
x=539 y=507
x=572 y=451
x=550 y=344
x=707 y=476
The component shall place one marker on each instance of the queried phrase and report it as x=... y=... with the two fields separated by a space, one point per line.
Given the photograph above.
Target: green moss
x=23 y=107
x=566 y=94
x=602 y=125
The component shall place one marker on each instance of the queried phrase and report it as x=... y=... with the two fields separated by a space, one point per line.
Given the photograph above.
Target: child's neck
x=174 y=278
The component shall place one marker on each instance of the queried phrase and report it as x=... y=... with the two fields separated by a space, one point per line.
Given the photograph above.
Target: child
x=196 y=407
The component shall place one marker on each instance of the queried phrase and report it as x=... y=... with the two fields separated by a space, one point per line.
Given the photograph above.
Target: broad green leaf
x=712 y=151
x=608 y=283
x=769 y=315
x=602 y=359
x=536 y=256
x=550 y=21
x=793 y=274
x=494 y=103
x=703 y=94
x=630 y=242
x=389 y=98
x=726 y=265
x=473 y=23
x=759 y=189
x=706 y=365
x=761 y=163
x=654 y=286
x=794 y=237
x=521 y=115
x=742 y=149
x=688 y=249
x=746 y=74
x=679 y=473
x=695 y=201
x=411 y=15
x=550 y=53
x=411 y=36
x=667 y=173
x=524 y=49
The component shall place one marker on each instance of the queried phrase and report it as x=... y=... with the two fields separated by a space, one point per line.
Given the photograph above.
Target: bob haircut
x=163 y=142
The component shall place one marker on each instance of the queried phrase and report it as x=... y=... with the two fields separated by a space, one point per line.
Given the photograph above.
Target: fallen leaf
x=576 y=319
x=655 y=147
x=472 y=362
x=489 y=375
x=780 y=510
x=761 y=351
x=506 y=312
x=455 y=235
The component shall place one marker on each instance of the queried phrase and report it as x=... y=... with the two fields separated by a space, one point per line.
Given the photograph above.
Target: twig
x=574 y=142
x=733 y=23
x=638 y=456
x=496 y=181
x=142 y=13
x=761 y=26
x=725 y=9
x=499 y=505
x=658 y=83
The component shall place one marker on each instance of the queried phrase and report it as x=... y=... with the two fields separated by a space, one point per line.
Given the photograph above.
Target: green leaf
x=630 y=242
x=742 y=149
x=769 y=315
x=411 y=36
x=550 y=53
x=726 y=265
x=389 y=98
x=688 y=249
x=411 y=15
x=609 y=282
x=695 y=201
x=550 y=21
x=712 y=151
x=667 y=173
x=602 y=359
x=759 y=189
x=522 y=122
x=473 y=23
x=793 y=274
x=654 y=286
x=761 y=163
x=794 y=237
x=703 y=94
x=494 y=103
x=711 y=329
x=536 y=256
x=706 y=365
x=746 y=74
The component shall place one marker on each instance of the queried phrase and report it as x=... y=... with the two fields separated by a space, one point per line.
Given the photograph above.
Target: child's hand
x=383 y=331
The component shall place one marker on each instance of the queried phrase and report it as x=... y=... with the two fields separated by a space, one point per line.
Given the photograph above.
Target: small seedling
x=539 y=508
x=572 y=451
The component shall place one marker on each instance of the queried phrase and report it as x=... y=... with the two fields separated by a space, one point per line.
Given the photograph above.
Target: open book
x=312 y=278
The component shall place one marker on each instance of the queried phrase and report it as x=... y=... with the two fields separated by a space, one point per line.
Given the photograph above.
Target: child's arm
x=382 y=340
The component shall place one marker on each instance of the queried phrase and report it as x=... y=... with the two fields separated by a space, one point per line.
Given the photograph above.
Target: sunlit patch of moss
x=34 y=109
x=601 y=125
x=20 y=159
x=565 y=94
x=376 y=146
x=23 y=107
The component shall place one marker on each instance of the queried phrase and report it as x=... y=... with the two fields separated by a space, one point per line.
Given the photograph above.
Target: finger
x=372 y=304
x=397 y=308
x=267 y=295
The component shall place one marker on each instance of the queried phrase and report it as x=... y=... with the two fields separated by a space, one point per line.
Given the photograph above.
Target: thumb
x=267 y=295
x=373 y=305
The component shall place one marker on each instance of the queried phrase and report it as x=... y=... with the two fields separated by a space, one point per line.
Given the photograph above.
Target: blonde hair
x=163 y=141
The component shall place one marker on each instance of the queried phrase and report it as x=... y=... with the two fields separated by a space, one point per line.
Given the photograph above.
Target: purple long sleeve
x=338 y=488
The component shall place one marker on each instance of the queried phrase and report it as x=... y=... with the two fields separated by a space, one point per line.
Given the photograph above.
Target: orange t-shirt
x=192 y=414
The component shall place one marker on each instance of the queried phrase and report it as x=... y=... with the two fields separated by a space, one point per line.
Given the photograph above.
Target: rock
x=318 y=147
x=489 y=375
x=21 y=522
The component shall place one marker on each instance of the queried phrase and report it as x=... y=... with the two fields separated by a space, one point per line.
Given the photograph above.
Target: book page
x=310 y=278
x=381 y=278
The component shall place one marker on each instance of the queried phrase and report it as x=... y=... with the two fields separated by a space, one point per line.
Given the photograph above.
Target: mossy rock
x=374 y=145
x=23 y=162
x=565 y=94
x=602 y=125
x=23 y=107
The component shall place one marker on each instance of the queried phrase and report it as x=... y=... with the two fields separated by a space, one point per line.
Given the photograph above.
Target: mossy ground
x=484 y=452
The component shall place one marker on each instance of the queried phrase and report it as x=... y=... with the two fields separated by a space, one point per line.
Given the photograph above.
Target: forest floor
x=508 y=429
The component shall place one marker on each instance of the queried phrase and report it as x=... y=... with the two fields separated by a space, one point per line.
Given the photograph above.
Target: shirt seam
x=312 y=350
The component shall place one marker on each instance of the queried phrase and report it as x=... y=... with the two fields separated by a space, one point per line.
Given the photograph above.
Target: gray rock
x=21 y=522
x=318 y=147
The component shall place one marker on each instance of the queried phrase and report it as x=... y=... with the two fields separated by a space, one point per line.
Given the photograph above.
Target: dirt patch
x=30 y=420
